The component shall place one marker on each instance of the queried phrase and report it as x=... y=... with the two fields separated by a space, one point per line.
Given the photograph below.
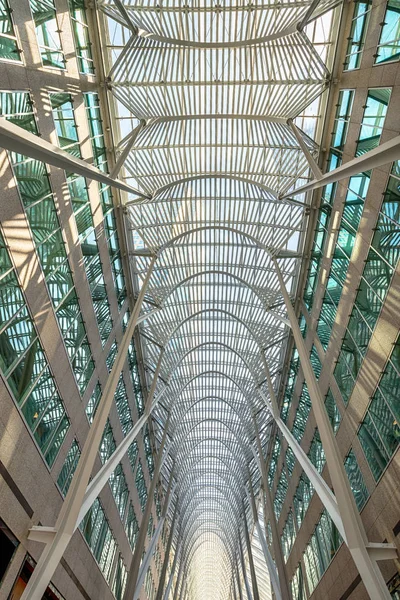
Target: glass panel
x=68 y=468
x=358 y=33
x=379 y=433
x=24 y=364
x=47 y=33
x=80 y=31
x=357 y=484
x=8 y=42
x=389 y=43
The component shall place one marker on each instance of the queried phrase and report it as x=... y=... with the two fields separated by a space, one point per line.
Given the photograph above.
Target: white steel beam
x=171 y=576
x=272 y=569
x=127 y=148
x=355 y=536
x=69 y=513
x=134 y=570
x=16 y=139
x=167 y=552
x=310 y=159
x=383 y=154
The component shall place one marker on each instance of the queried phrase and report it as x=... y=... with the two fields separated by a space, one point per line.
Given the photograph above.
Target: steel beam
x=238 y=583
x=272 y=569
x=383 y=154
x=178 y=580
x=254 y=585
x=69 y=513
x=171 y=576
x=355 y=535
x=16 y=139
x=133 y=575
x=309 y=157
x=127 y=148
x=163 y=574
x=246 y=581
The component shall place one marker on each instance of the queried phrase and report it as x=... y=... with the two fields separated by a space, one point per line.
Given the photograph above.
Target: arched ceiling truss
x=210 y=88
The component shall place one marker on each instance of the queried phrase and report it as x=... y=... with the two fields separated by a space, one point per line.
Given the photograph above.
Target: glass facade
x=99 y=149
x=320 y=550
x=64 y=119
x=379 y=432
x=381 y=262
x=25 y=367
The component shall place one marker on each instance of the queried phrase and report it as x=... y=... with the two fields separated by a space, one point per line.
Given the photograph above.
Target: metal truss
x=213 y=93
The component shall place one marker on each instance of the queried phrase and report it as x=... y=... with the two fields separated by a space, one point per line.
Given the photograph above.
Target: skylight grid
x=215 y=86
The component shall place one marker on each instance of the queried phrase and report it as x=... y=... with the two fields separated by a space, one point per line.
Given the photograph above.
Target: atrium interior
x=200 y=299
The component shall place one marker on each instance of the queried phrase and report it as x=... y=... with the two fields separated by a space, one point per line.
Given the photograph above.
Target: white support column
x=161 y=581
x=238 y=583
x=69 y=513
x=254 y=584
x=246 y=581
x=383 y=154
x=13 y=137
x=148 y=556
x=355 y=535
x=178 y=580
x=134 y=570
x=269 y=509
x=273 y=572
x=171 y=576
x=310 y=159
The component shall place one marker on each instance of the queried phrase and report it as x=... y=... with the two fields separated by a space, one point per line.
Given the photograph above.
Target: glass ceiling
x=207 y=89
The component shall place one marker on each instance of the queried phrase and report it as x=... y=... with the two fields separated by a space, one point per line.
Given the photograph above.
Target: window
x=64 y=120
x=25 y=367
x=358 y=33
x=134 y=371
x=274 y=460
x=302 y=498
x=319 y=552
x=69 y=467
x=8 y=42
x=333 y=411
x=97 y=532
x=93 y=402
x=119 y=489
x=123 y=408
x=148 y=451
x=338 y=140
x=389 y=43
x=379 y=433
x=316 y=453
x=92 y=104
x=297 y=585
x=373 y=119
x=38 y=200
x=47 y=33
x=379 y=267
x=141 y=486
x=302 y=412
x=120 y=578
x=132 y=526
x=356 y=480
x=81 y=36
x=288 y=536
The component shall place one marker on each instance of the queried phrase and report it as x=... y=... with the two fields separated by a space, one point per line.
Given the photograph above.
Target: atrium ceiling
x=204 y=98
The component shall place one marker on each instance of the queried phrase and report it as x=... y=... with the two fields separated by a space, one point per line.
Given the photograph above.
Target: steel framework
x=214 y=95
